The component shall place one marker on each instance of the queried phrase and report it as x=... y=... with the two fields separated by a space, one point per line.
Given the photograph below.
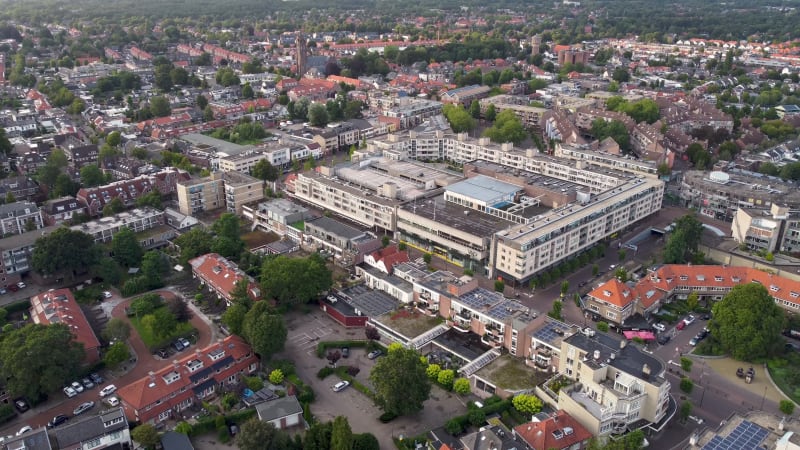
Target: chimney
x=175 y=364
x=152 y=376
x=646 y=370
x=623 y=343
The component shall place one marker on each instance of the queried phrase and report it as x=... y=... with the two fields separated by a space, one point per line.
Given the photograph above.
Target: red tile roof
x=59 y=306
x=539 y=435
x=174 y=383
x=222 y=275
x=389 y=257
x=614 y=292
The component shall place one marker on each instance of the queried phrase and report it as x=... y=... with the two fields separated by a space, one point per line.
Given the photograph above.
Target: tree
x=686 y=385
x=265 y=331
x=475 y=109
x=257 y=435
x=5 y=145
x=64 y=251
x=10 y=197
x=116 y=354
x=30 y=365
x=208 y=114
x=365 y=441
x=372 y=333
x=786 y=407
x=151 y=199
x=462 y=386
x=178 y=308
x=117 y=329
x=527 y=403
x=507 y=128
x=115 y=206
x=91 y=176
x=401 y=384
x=114 y=139
x=333 y=356
x=247 y=91
x=683 y=241
x=692 y=301
x=265 y=171
x=685 y=411
x=318 y=115
x=126 y=248
x=233 y=317
x=146 y=435
x=491 y=113
x=276 y=376
x=153 y=266
x=341 y=434
x=460 y=120
x=240 y=294
x=293 y=281
x=620 y=75
x=159 y=106
x=614 y=129
x=747 y=323
x=161 y=322
x=564 y=287
x=201 y=101
x=445 y=378
x=686 y=364
x=193 y=243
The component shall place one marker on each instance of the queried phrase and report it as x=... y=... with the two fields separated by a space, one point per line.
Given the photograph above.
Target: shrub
x=387 y=417
x=324 y=372
x=229 y=400
x=353 y=370
x=24 y=305
x=686 y=364
x=461 y=386
x=276 y=376
x=433 y=371
x=254 y=383
x=686 y=385
x=445 y=379
x=454 y=426
x=6 y=413
x=477 y=417
x=786 y=407
x=527 y=403
x=602 y=326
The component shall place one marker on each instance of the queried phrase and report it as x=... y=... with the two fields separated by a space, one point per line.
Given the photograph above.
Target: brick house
x=193 y=379
x=60 y=210
x=59 y=306
x=221 y=275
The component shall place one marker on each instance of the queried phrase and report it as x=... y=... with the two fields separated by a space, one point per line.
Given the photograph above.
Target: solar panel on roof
x=746 y=436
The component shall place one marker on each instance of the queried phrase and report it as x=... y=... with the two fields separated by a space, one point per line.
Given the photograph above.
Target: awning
x=645 y=335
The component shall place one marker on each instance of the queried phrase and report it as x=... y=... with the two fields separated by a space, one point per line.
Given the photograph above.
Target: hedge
x=24 y=305
x=323 y=347
x=208 y=424
x=342 y=372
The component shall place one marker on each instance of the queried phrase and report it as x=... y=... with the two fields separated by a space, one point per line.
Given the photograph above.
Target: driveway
x=305 y=332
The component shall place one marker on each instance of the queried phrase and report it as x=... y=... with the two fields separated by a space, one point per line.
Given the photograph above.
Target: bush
x=255 y=384
x=387 y=417
x=24 y=305
x=454 y=426
x=323 y=347
x=276 y=376
x=353 y=370
x=285 y=366
x=477 y=417
x=325 y=372
x=229 y=400
x=686 y=364
x=602 y=326
x=6 y=413
x=686 y=385
x=786 y=407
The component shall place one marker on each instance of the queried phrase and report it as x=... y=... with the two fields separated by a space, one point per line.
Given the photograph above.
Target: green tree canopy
x=265 y=171
x=401 y=384
x=193 y=243
x=341 y=434
x=507 y=128
x=257 y=435
x=460 y=120
x=614 y=129
x=747 y=323
x=117 y=329
x=293 y=281
x=264 y=330
x=152 y=199
x=116 y=354
x=30 y=365
x=64 y=251
x=318 y=115
x=126 y=248
x=146 y=435
x=91 y=176
x=683 y=240
x=159 y=106
x=527 y=403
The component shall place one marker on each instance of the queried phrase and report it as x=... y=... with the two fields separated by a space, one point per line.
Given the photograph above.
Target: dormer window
x=701 y=277
x=216 y=354
x=172 y=377
x=684 y=277
x=607 y=293
x=194 y=364
x=718 y=279
x=794 y=294
x=735 y=279
x=774 y=288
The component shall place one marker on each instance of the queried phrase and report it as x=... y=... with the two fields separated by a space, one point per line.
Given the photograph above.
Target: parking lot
x=305 y=332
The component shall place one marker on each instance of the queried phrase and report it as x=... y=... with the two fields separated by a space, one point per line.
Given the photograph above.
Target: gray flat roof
x=368 y=302
x=628 y=359
x=218 y=144
x=334 y=226
x=475 y=222
x=484 y=188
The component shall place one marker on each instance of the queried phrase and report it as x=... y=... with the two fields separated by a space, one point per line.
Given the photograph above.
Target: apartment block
x=276 y=215
x=15 y=255
x=720 y=194
x=137 y=220
x=59 y=306
x=768 y=230
x=196 y=377
x=18 y=217
x=617 y=388
x=603 y=159
x=530 y=116
x=241 y=189
x=199 y=195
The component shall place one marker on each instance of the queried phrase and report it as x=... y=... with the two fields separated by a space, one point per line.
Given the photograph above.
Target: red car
x=681 y=325
x=13 y=288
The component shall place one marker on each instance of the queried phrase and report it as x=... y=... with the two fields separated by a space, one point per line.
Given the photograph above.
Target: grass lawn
x=181 y=330
x=785 y=372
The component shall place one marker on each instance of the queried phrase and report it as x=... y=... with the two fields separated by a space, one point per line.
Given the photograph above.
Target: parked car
x=177 y=345
x=83 y=407
x=107 y=294
x=689 y=319
x=3 y=291
x=345 y=352
x=77 y=387
x=663 y=339
x=69 y=392
x=693 y=342
x=108 y=390
x=185 y=342
x=660 y=327
x=57 y=420
x=162 y=353
x=96 y=379
x=681 y=325
x=340 y=386
x=87 y=383
x=24 y=430
x=21 y=285
x=112 y=401
x=374 y=354
x=13 y=288
x=21 y=405
x=705 y=317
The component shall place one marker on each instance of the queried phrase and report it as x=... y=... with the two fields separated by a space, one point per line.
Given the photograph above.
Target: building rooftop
x=485 y=189
x=26 y=239
x=83 y=428
x=214 y=144
x=449 y=214
x=755 y=429
x=335 y=227
x=368 y=302
x=233 y=178
x=411 y=179
x=119 y=219
x=627 y=358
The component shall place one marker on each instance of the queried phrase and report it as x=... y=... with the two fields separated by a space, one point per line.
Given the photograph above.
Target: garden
x=159 y=322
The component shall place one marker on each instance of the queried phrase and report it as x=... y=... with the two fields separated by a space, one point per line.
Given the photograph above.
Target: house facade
x=196 y=377
x=18 y=217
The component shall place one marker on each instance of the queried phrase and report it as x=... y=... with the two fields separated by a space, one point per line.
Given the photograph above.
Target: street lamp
x=763 y=398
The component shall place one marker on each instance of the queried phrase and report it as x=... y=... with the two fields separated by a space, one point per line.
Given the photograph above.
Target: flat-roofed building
x=241 y=189
x=137 y=220
x=619 y=162
x=530 y=116
x=276 y=215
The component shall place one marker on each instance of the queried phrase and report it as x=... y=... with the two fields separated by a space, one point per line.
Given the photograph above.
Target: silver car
x=82 y=408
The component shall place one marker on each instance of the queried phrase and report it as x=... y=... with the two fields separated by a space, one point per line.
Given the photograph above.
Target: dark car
x=705 y=317
x=57 y=420
x=162 y=353
x=583 y=283
x=345 y=352
x=177 y=345
x=21 y=405
x=13 y=288
x=663 y=339
x=96 y=379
